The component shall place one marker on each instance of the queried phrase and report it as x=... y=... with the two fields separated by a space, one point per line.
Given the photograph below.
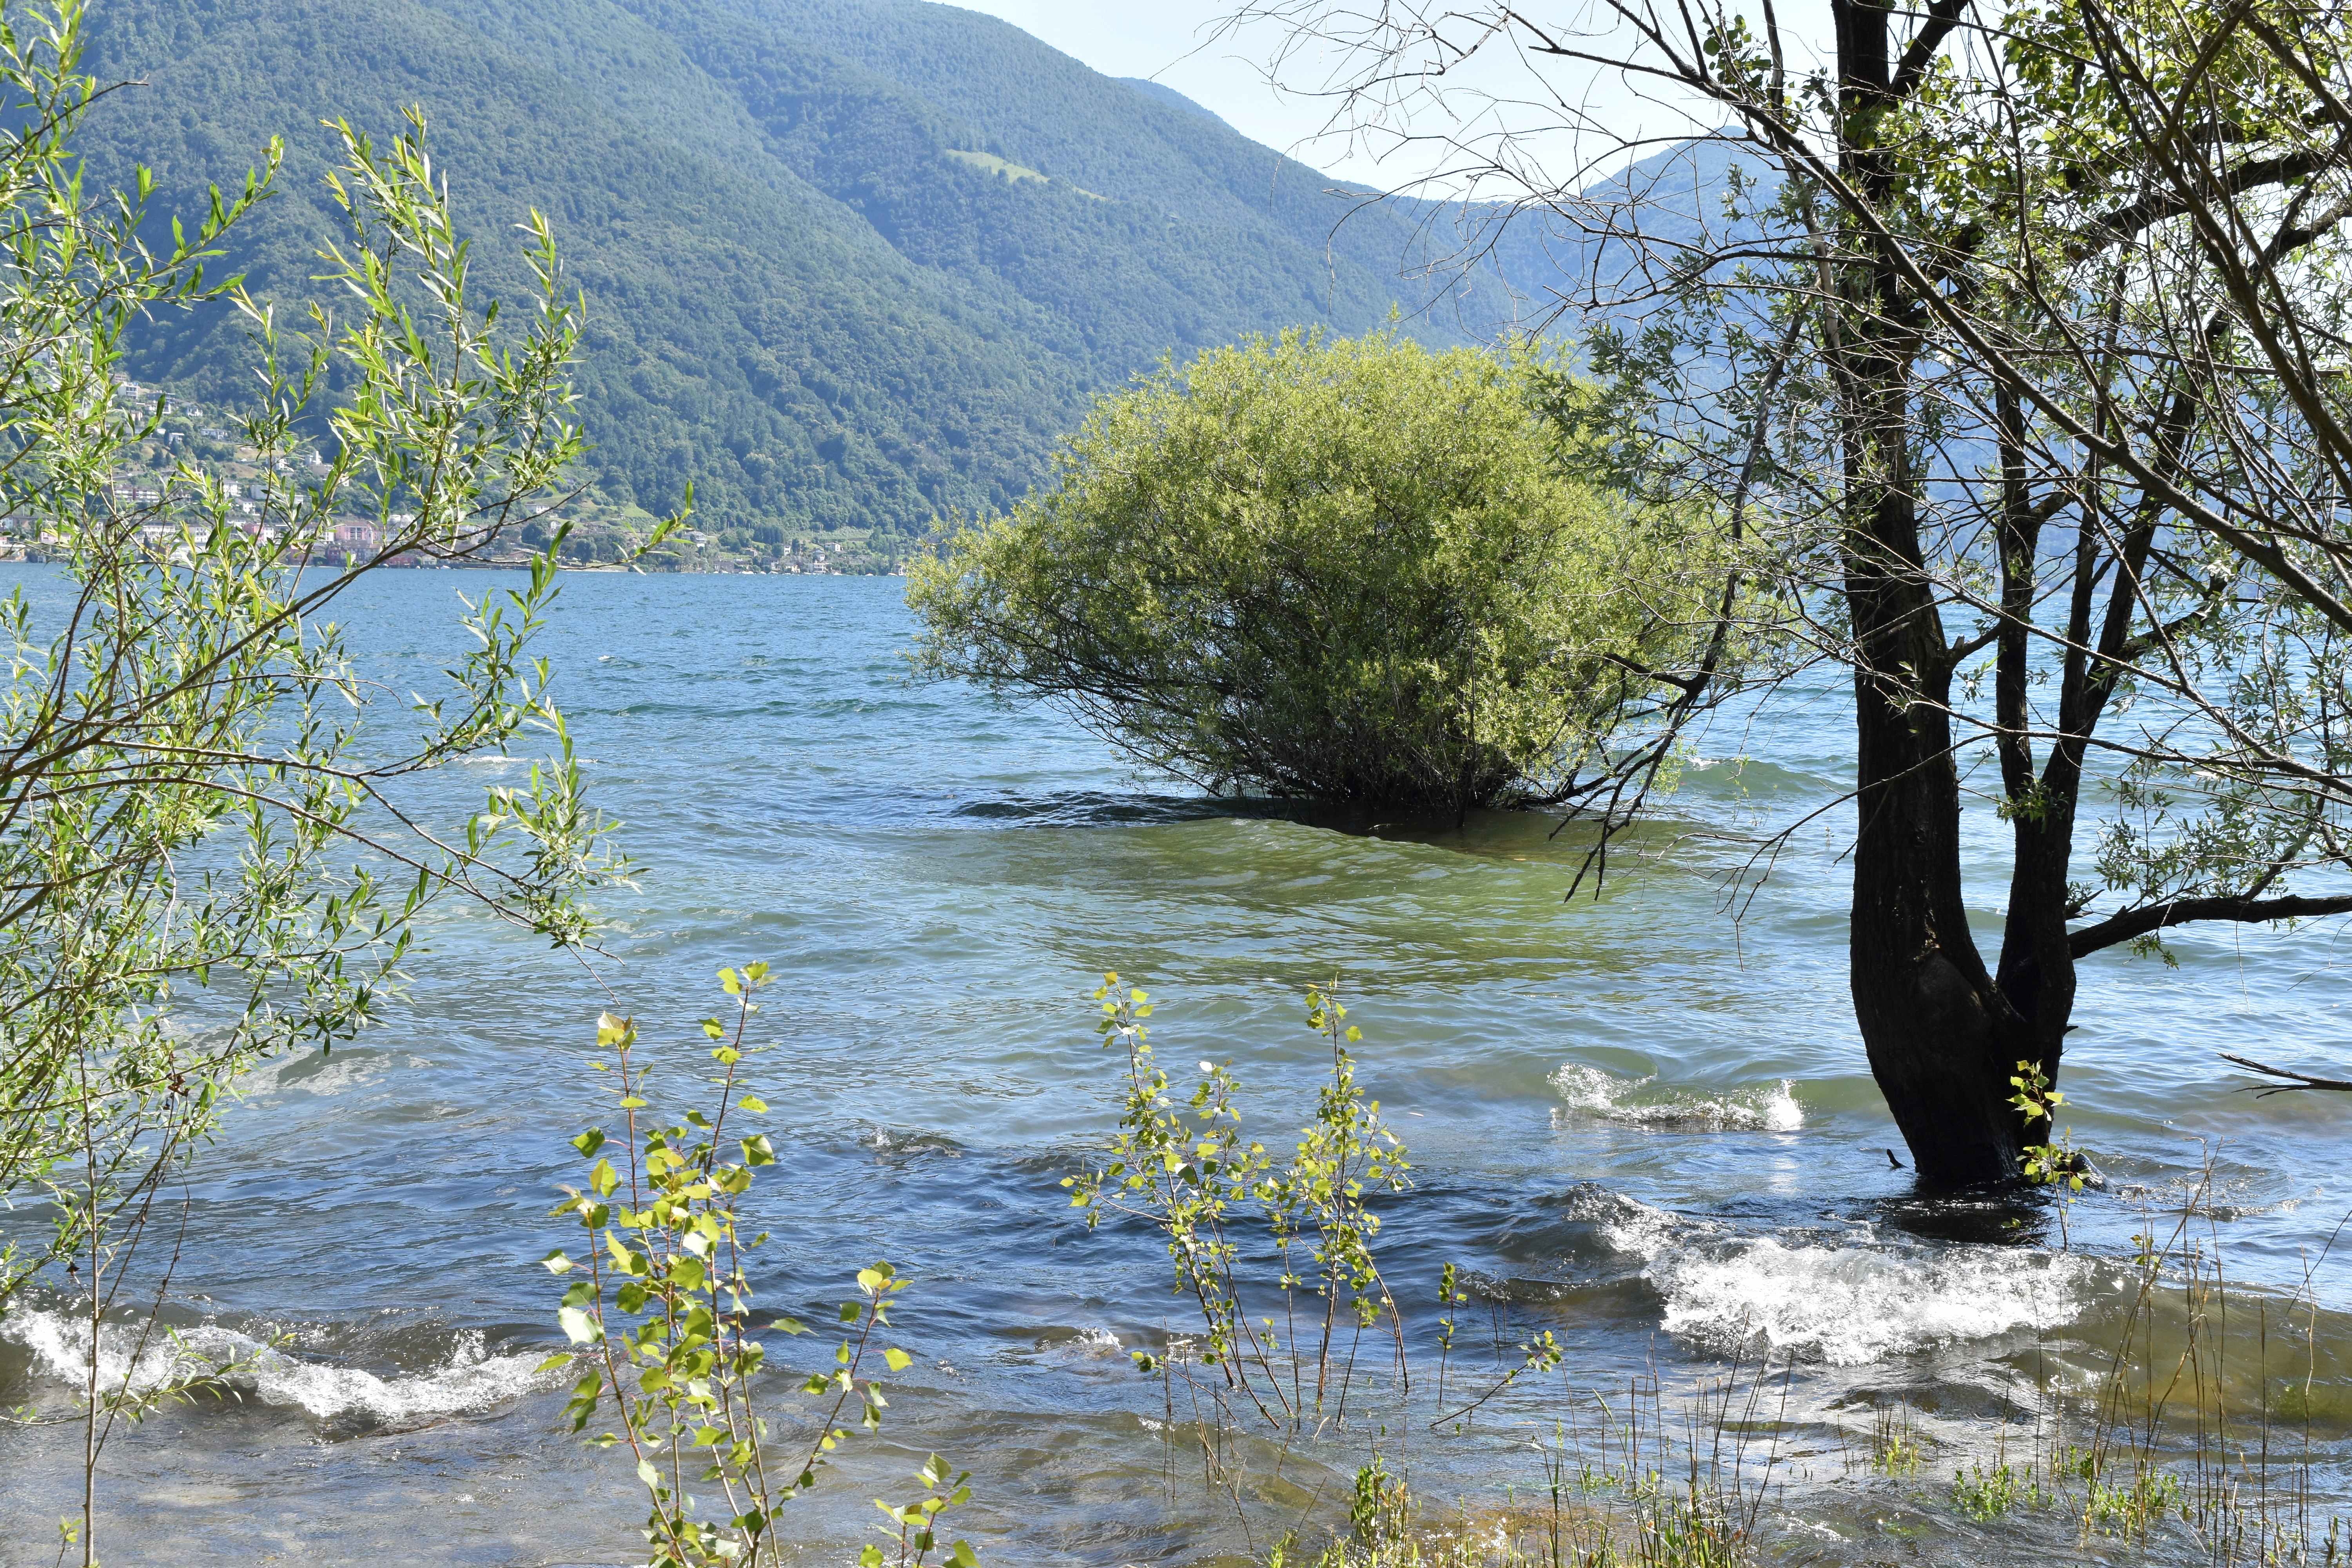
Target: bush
x=1351 y=571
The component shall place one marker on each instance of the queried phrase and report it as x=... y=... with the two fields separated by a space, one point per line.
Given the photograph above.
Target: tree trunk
x=1943 y=1038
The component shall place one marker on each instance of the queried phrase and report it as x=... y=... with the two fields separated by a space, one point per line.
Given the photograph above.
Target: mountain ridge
x=849 y=263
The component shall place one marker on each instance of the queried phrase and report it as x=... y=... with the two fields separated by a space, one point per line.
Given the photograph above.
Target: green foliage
x=2135 y=1507
x=1986 y=1493
x=2056 y=1163
x=1960 y=227
x=1187 y=1172
x=1235 y=1220
x=213 y=845
x=664 y=1316
x=1895 y=1450
x=1353 y=571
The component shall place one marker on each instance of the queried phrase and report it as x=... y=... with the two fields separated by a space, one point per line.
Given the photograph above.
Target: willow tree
x=2025 y=325
x=1349 y=570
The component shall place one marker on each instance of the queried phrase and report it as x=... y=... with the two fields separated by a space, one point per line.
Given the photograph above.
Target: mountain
x=849 y=262
x=1162 y=93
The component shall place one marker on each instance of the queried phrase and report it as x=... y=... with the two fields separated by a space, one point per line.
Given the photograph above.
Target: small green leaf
x=899 y=1359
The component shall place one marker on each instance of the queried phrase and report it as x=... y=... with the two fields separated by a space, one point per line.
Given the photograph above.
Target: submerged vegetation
x=1351 y=571
x=2176 y=1432
x=2017 y=339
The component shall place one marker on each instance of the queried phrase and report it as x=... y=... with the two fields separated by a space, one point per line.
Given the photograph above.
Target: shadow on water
x=1518 y=833
x=1096 y=808
x=2019 y=1219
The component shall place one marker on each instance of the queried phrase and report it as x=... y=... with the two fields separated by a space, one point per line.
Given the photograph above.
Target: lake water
x=1635 y=1119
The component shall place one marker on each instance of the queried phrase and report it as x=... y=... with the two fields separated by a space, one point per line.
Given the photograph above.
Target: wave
x=1844 y=1298
x=471 y=1378
x=1771 y=1107
x=1084 y=1342
x=1629 y=1228
x=1860 y=1300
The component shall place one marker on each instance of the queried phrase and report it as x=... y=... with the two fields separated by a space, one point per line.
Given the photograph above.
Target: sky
x=1174 y=42
x=1180 y=43
x=1169 y=41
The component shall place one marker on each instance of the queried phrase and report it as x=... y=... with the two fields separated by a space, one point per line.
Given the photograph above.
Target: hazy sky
x=1169 y=40
x=1164 y=39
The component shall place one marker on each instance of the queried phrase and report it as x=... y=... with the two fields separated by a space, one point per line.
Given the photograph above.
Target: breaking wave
x=1864 y=1301
x=1846 y=1297
x=1771 y=1107
x=470 y=1379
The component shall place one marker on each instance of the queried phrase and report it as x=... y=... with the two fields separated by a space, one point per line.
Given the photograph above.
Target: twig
x=2300 y=1080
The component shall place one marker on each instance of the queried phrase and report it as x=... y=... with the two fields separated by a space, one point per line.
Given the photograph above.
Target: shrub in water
x=1349 y=570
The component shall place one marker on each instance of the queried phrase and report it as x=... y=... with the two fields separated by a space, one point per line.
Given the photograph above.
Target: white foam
x=471 y=1379
x=1850 y=1303
x=1771 y=1107
x=1628 y=1225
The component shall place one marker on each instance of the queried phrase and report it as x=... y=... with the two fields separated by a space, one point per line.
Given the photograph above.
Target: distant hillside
x=849 y=262
x=1166 y=95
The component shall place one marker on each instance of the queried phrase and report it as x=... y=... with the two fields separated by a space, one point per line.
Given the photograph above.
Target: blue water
x=1641 y=1119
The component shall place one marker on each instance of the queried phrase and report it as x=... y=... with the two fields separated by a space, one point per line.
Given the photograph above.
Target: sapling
x=1188 y=1172
x=663 y=1321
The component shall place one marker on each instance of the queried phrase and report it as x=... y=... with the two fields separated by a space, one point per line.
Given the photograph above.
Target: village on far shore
x=603 y=537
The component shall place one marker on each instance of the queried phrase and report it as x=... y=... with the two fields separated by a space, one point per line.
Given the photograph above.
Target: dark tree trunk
x=1943 y=1038
x=2037 y=962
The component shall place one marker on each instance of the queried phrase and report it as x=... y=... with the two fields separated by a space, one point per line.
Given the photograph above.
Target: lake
x=1642 y=1120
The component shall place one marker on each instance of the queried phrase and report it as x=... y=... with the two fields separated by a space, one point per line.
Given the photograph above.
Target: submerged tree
x=216 y=829
x=2024 y=324
x=1355 y=571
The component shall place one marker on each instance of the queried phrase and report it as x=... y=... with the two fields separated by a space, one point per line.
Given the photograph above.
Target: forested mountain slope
x=850 y=262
